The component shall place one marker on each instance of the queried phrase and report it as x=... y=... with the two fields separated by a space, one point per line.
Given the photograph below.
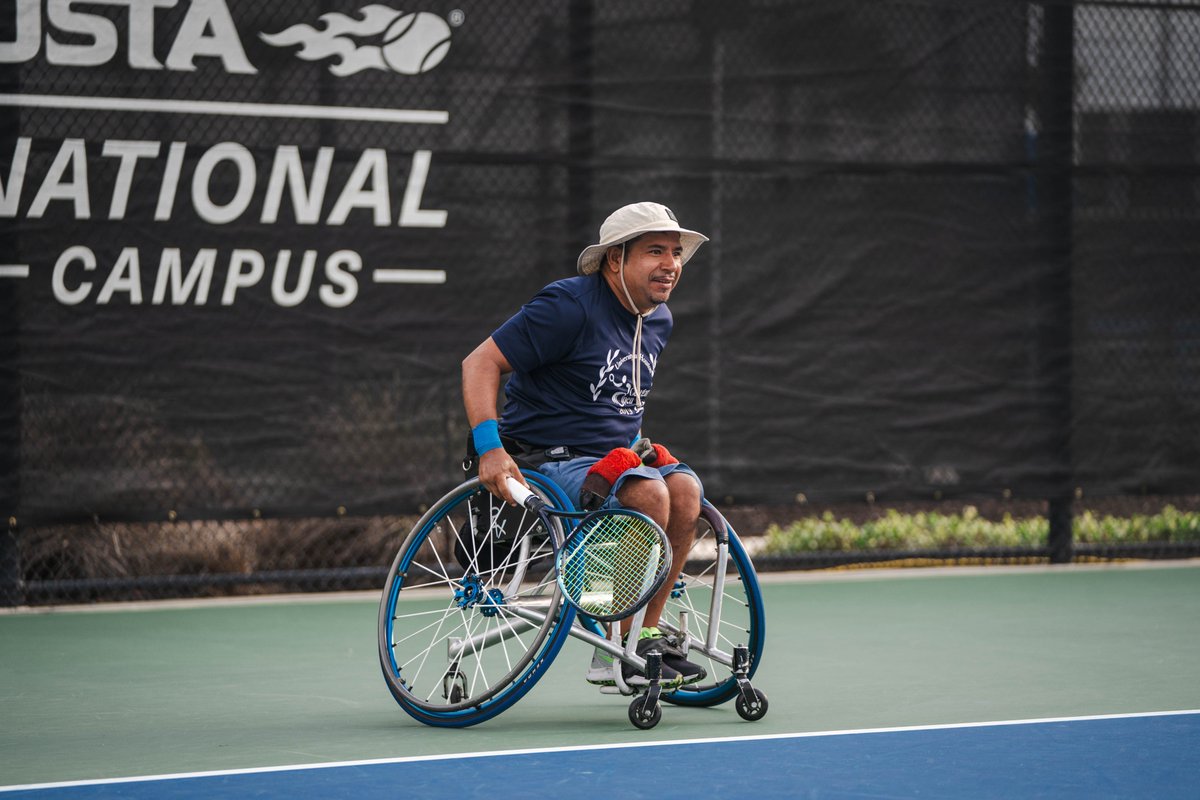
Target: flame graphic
x=337 y=39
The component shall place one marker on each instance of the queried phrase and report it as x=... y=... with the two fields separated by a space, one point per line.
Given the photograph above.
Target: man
x=581 y=356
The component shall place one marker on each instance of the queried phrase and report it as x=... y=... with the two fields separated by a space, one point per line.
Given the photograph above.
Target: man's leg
x=684 y=504
x=652 y=498
x=675 y=506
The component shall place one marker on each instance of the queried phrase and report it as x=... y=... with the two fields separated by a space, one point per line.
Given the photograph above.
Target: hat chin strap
x=637 y=337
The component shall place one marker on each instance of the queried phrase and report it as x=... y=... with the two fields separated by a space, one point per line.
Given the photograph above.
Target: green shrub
x=1170 y=525
x=896 y=531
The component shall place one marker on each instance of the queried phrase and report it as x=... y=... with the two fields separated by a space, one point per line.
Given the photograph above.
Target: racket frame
x=535 y=504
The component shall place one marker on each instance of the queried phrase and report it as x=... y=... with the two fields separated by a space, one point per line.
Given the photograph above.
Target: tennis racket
x=611 y=562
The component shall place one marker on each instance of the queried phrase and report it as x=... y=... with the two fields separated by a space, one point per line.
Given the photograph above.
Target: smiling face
x=653 y=263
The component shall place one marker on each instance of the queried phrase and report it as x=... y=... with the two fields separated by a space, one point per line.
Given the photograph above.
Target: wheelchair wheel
x=471 y=615
x=741 y=618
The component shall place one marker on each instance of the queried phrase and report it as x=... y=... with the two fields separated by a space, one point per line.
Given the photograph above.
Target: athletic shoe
x=601 y=670
x=672 y=676
x=673 y=657
x=667 y=677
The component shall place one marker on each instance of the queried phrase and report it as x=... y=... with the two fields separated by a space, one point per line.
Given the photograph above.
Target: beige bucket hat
x=631 y=221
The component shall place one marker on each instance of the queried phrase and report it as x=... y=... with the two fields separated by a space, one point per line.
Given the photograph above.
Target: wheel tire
x=645 y=713
x=456 y=602
x=752 y=711
x=743 y=618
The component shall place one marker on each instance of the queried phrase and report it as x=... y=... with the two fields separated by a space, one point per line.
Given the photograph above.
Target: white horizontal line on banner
x=409 y=276
x=351 y=113
x=14 y=270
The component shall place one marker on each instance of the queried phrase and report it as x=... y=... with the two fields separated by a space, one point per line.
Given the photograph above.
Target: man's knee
x=685 y=494
x=650 y=497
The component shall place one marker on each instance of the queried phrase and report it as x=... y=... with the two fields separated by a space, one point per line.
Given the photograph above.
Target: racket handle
x=521 y=494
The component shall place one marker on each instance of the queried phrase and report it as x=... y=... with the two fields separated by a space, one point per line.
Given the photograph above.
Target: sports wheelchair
x=471 y=615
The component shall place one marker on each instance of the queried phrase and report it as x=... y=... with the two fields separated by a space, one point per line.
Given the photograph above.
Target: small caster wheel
x=752 y=709
x=454 y=684
x=644 y=712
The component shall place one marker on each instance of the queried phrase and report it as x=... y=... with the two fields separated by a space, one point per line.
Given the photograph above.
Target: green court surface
x=123 y=691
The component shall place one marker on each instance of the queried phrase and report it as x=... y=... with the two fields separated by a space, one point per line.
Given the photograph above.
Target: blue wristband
x=486 y=436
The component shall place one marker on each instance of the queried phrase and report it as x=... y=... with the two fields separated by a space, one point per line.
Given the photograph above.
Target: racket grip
x=521 y=494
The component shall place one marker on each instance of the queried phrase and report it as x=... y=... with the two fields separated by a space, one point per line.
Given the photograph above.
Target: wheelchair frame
x=471 y=616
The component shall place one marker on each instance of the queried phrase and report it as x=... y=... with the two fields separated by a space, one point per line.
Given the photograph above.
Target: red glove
x=603 y=474
x=614 y=464
x=654 y=455
x=662 y=457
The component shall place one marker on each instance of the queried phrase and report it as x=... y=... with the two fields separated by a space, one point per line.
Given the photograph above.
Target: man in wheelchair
x=580 y=359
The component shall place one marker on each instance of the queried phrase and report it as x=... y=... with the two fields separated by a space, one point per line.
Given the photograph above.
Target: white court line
x=610 y=746
x=430 y=276
x=14 y=270
x=352 y=113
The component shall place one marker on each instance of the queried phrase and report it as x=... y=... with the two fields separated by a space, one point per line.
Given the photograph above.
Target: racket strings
x=612 y=564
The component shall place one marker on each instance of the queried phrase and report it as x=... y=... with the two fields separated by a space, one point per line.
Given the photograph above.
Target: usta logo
x=406 y=43
x=207 y=30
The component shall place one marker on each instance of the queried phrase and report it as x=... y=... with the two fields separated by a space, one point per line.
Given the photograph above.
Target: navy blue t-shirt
x=572 y=380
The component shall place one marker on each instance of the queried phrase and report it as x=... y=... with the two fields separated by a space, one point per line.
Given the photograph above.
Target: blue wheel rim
x=517 y=687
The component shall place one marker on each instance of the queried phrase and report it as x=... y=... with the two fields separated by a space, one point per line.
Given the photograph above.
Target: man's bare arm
x=482 y=372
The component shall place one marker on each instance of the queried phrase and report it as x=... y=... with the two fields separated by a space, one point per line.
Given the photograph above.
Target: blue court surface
x=1153 y=755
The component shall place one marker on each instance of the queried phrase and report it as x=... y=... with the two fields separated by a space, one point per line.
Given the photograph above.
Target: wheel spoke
x=488 y=565
x=424 y=654
x=440 y=621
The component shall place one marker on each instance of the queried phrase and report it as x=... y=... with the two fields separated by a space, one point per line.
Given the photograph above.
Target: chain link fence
x=952 y=260
x=154 y=561
x=1137 y=212
x=122 y=561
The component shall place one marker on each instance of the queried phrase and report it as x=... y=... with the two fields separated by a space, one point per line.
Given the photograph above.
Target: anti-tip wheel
x=644 y=712
x=751 y=710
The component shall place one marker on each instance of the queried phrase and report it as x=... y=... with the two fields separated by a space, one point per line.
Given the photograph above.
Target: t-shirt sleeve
x=542 y=332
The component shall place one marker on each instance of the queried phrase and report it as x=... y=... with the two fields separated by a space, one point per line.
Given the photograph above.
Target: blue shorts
x=569 y=476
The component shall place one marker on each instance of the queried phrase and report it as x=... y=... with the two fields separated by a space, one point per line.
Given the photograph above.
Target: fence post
x=1054 y=162
x=12 y=591
x=10 y=359
x=1060 y=542
x=10 y=415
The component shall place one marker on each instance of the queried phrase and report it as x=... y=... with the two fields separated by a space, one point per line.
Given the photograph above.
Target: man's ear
x=612 y=258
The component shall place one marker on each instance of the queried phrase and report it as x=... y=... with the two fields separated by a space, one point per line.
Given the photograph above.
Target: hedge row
x=896 y=531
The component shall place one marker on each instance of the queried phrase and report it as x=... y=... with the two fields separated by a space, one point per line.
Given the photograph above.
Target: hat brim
x=589 y=260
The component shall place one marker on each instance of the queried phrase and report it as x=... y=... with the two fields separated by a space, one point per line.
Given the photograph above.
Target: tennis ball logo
x=416 y=43
x=376 y=38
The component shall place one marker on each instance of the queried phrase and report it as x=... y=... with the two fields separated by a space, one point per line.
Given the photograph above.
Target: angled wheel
x=471 y=616
x=718 y=621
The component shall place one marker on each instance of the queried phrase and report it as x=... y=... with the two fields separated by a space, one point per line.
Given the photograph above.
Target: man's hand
x=494 y=466
x=652 y=454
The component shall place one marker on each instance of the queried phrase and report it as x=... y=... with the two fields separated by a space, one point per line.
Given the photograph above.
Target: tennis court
x=1058 y=682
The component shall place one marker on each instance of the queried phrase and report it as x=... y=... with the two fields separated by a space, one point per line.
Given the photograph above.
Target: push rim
x=461 y=652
